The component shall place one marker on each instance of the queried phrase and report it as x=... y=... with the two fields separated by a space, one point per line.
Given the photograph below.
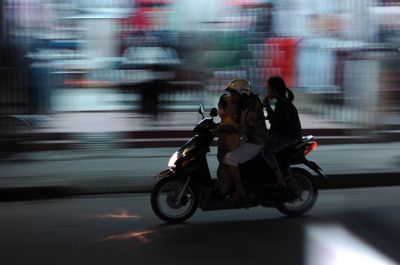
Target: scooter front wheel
x=173 y=204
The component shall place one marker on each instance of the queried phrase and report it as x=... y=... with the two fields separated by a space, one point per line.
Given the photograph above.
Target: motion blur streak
x=123 y=215
x=142 y=236
x=87 y=82
x=334 y=245
x=341 y=58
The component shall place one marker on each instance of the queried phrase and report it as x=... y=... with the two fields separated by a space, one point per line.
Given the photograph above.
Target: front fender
x=164 y=174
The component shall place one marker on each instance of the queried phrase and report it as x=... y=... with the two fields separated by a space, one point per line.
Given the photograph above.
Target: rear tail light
x=310 y=148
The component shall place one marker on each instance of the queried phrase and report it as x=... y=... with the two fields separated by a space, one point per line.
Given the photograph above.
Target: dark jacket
x=284 y=120
x=251 y=119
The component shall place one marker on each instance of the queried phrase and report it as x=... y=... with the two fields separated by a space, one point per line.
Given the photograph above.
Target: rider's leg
x=237 y=182
x=224 y=179
x=235 y=157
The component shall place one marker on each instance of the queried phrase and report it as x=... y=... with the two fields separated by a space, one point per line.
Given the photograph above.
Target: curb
x=59 y=192
x=338 y=181
x=163 y=138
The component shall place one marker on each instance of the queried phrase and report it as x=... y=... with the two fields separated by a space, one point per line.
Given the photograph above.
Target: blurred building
x=342 y=54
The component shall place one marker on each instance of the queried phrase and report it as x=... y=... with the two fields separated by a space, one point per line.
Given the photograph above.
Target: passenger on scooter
x=229 y=138
x=228 y=130
x=251 y=121
x=285 y=127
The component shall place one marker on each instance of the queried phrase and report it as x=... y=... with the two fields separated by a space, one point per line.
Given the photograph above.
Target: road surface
x=122 y=229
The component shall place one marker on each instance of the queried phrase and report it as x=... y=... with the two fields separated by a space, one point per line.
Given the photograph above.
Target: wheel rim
x=167 y=200
x=306 y=194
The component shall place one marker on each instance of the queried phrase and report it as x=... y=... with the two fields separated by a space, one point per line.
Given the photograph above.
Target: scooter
x=187 y=183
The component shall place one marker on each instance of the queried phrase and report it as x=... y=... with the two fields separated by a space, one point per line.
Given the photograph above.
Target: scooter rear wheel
x=165 y=204
x=307 y=197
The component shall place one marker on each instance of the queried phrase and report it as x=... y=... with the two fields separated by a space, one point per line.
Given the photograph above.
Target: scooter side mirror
x=214 y=112
x=201 y=110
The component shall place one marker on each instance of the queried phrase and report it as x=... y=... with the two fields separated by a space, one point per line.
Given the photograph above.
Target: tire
x=169 y=188
x=304 y=179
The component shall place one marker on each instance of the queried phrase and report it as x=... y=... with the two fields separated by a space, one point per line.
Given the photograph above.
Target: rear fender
x=314 y=167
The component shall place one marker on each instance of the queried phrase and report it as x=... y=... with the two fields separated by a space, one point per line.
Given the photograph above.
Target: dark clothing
x=284 y=120
x=272 y=146
x=251 y=119
x=285 y=130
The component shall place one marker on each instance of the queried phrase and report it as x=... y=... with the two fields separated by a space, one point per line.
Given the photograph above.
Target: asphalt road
x=122 y=229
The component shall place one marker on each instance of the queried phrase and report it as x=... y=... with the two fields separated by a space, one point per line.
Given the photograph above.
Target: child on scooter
x=229 y=138
x=227 y=131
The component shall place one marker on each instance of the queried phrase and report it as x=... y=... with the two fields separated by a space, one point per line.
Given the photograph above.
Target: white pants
x=241 y=154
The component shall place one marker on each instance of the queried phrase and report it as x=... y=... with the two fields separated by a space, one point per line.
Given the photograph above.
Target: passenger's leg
x=270 y=158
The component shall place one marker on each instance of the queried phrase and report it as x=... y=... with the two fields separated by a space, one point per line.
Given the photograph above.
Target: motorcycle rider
x=251 y=121
x=285 y=123
x=229 y=138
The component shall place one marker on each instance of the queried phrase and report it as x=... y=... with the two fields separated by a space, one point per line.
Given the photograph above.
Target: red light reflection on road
x=140 y=235
x=123 y=215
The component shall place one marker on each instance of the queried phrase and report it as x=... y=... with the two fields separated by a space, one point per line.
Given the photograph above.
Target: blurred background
x=96 y=95
x=105 y=66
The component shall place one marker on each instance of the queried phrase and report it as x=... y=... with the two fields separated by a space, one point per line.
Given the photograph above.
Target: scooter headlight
x=180 y=154
x=172 y=160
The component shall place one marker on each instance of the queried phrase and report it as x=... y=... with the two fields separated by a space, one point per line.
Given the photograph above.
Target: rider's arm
x=270 y=111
